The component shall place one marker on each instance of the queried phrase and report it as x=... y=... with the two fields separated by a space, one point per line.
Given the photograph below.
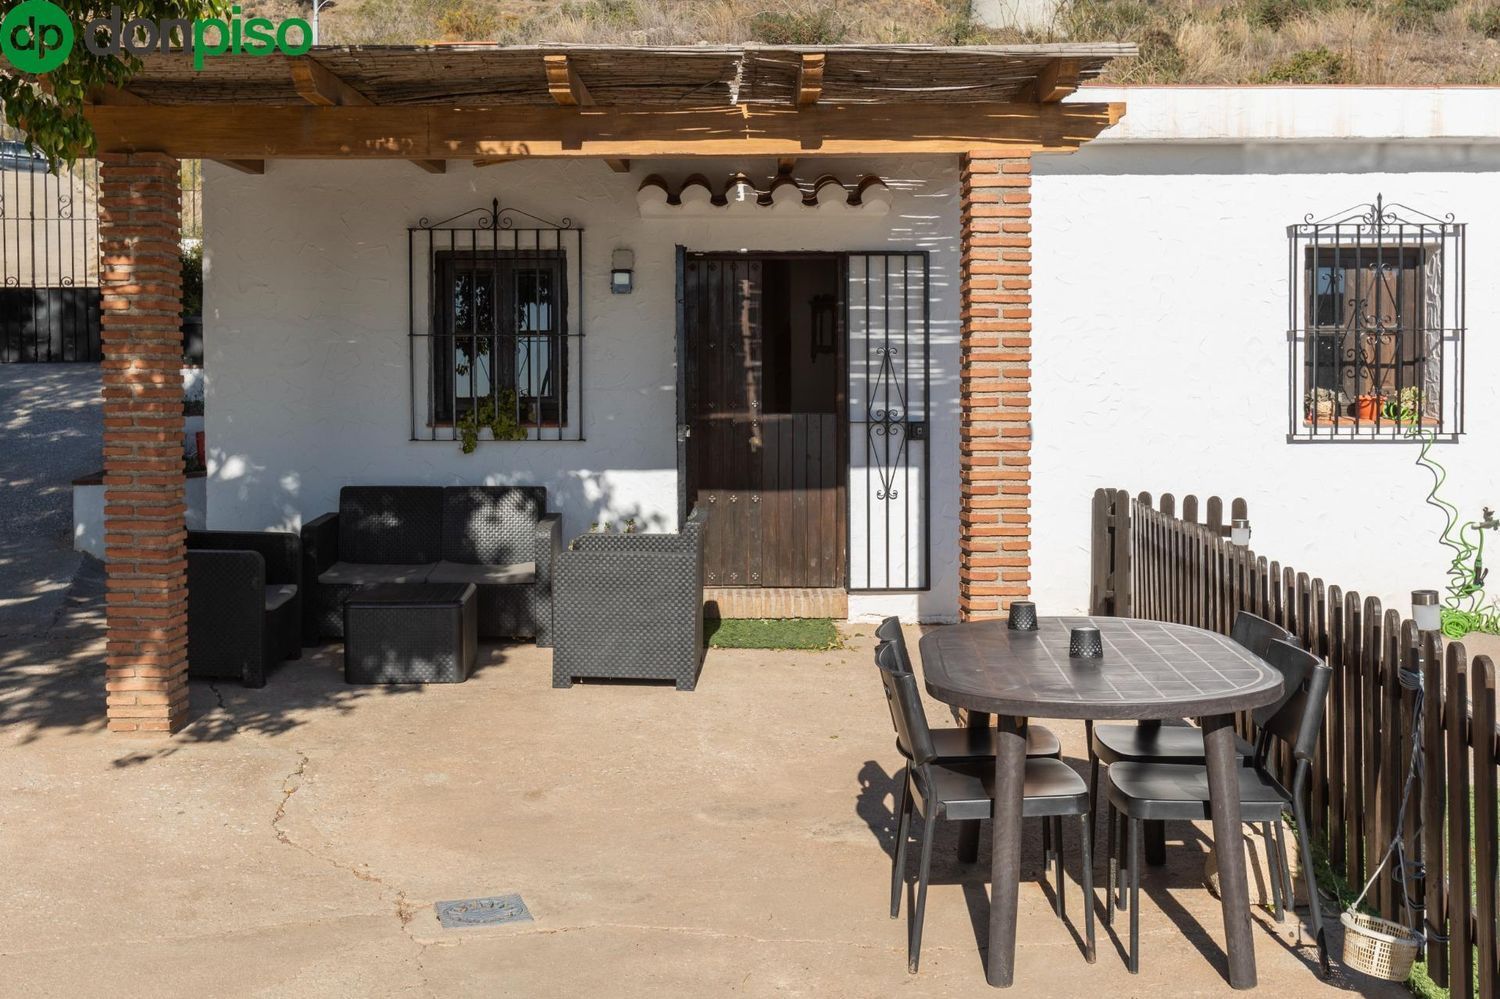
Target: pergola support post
x=995 y=383
x=145 y=536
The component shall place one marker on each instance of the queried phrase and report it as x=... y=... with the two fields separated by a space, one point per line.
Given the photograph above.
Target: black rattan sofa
x=500 y=538
x=244 y=603
x=630 y=607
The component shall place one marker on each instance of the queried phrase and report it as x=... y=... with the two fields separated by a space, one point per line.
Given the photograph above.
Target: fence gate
x=49 y=259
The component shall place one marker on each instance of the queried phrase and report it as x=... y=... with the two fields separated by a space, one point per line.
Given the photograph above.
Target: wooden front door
x=764 y=344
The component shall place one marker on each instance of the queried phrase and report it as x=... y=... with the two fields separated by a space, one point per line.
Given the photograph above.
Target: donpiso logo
x=37 y=36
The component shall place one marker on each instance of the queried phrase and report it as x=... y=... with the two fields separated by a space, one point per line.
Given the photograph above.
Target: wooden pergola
x=990 y=108
x=430 y=104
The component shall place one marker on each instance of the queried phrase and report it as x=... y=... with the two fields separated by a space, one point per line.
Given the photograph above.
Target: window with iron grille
x=1376 y=329
x=496 y=328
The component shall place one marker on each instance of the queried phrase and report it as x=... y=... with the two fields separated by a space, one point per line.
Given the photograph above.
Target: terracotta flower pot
x=1367 y=408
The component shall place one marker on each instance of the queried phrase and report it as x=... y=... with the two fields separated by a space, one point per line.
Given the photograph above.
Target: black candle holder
x=1084 y=642
x=1022 y=616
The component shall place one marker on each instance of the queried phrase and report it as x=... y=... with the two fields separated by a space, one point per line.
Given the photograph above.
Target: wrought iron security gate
x=49 y=258
x=889 y=473
x=495 y=328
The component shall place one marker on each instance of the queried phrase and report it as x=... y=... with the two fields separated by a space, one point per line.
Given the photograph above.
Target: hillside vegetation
x=1181 y=41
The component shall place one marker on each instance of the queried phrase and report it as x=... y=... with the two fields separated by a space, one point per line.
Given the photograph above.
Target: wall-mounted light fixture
x=1426 y=611
x=1239 y=532
x=622 y=272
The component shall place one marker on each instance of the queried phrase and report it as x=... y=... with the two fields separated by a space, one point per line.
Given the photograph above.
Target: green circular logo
x=36 y=36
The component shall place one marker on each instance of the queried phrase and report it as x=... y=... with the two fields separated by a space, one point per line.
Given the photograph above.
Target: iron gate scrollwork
x=889 y=412
x=495 y=307
x=1376 y=325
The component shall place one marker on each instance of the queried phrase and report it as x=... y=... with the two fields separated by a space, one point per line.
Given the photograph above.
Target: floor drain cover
x=491 y=911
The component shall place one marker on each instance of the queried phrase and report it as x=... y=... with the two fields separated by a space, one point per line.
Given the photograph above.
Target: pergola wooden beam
x=1057 y=79
x=809 y=88
x=564 y=84
x=433 y=133
x=320 y=86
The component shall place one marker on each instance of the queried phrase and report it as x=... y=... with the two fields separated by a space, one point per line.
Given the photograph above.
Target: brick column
x=144 y=509
x=995 y=384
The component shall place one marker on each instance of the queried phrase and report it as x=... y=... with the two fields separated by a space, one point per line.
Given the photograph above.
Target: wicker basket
x=1378 y=947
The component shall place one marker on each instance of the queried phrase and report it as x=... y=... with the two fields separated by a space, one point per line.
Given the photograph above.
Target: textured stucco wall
x=306 y=319
x=1160 y=357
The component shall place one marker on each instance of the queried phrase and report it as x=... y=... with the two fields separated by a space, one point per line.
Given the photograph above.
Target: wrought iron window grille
x=1375 y=334
x=495 y=327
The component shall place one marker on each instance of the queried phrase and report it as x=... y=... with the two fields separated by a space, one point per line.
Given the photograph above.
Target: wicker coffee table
x=410 y=633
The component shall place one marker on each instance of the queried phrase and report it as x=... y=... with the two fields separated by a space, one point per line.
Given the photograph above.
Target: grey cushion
x=277 y=596
x=521 y=573
x=491 y=525
x=391 y=525
x=357 y=574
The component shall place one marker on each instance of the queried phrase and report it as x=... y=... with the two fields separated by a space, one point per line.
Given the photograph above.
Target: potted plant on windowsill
x=1367 y=408
x=1405 y=407
x=498 y=415
x=1321 y=405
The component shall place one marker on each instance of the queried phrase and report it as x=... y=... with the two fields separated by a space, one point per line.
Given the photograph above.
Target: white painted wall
x=306 y=320
x=1160 y=356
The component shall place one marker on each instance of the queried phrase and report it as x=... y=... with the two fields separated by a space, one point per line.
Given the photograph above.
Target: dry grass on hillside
x=1181 y=41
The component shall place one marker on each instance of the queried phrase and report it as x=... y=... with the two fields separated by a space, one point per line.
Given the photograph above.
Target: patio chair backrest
x=1299 y=718
x=889 y=633
x=390 y=525
x=905 y=703
x=1255 y=633
x=491 y=525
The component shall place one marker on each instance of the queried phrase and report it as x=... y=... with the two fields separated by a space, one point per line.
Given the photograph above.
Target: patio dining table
x=1150 y=671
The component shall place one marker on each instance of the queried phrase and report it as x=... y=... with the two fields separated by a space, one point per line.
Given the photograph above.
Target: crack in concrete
x=405 y=911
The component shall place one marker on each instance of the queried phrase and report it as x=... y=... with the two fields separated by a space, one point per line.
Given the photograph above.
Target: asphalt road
x=51 y=420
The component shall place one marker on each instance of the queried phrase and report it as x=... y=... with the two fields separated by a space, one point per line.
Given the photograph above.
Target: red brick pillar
x=995 y=384
x=144 y=509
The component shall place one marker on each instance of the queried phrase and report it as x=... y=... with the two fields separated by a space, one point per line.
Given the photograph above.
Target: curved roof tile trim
x=738 y=194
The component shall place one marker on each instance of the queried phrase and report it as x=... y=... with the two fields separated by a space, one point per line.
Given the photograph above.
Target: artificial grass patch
x=815 y=633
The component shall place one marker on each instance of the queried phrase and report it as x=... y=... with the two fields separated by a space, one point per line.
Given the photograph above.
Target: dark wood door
x=769 y=470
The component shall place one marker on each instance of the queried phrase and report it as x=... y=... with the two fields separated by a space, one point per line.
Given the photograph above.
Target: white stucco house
x=790 y=338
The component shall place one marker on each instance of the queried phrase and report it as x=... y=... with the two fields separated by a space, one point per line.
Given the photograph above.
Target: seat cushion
x=521 y=573
x=1165 y=743
x=1180 y=791
x=958 y=744
x=966 y=791
x=371 y=574
x=277 y=596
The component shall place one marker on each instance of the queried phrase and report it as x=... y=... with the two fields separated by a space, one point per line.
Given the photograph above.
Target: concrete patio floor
x=730 y=841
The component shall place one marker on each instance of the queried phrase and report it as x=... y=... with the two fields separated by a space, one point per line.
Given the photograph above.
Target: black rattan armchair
x=630 y=606
x=244 y=603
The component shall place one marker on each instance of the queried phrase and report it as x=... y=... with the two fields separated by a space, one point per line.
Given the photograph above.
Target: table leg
x=1005 y=860
x=1234 y=888
x=968 y=832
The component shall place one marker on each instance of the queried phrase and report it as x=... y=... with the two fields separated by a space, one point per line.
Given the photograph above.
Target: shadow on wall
x=591 y=493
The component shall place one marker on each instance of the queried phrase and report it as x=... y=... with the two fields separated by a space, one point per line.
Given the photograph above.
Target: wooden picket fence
x=1154 y=562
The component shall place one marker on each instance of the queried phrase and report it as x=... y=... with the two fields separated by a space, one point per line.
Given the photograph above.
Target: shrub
x=1317 y=65
x=1121 y=20
x=468 y=20
x=796 y=27
x=1421 y=14
x=192 y=280
x=1273 y=14
x=1486 y=21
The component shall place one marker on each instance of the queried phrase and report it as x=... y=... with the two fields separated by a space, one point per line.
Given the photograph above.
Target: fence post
x=1433 y=788
x=1482 y=740
x=1460 y=938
